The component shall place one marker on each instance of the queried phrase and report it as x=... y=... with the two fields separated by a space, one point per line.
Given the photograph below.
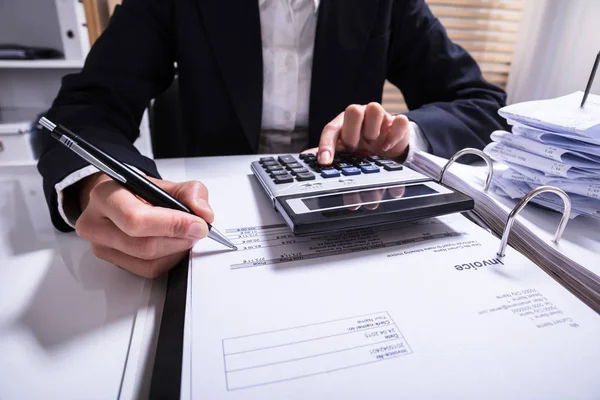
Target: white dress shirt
x=288 y=34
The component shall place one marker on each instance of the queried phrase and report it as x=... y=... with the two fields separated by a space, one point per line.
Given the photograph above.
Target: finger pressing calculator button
x=350 y=171
x=279 y=172
x=305 y=176
x=393 y=166
x=287 y=178
x=272 y=168
x=293 y=165
x=266 y=159
x=295 y=171
x=330 y=173
x=287 y=159
x=369 y=169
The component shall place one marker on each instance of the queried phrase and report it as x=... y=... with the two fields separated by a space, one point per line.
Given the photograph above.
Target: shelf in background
x=41 y=64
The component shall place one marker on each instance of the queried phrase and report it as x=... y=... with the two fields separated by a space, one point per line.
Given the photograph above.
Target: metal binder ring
x=476 y=152
x=513 y=214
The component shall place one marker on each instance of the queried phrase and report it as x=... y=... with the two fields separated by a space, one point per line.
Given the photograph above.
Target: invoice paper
x=561 y=114
x=419 y=310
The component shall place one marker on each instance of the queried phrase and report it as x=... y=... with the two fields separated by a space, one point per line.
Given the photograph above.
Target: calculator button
x=293 y=165
x=383 y=162
x=300 y=170
x=265 y=159
x=272 y=168
x=305 y=176
x=269 y=163
x=374 y=158
x=304 y=156
x=350 y=171
x=343 y=165
x=287 y=159
x=393 y=166
x=369 y=169
x=362 y=163
x=287 y=178
x=279 y=172
x=330 y=173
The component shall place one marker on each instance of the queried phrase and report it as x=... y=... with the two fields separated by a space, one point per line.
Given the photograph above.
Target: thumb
x=193 y=194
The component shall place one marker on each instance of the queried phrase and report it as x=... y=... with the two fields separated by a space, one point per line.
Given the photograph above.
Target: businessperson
x=255 y=76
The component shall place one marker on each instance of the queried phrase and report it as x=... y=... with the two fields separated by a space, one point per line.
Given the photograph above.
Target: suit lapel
x=233 y=29
x=343 y=31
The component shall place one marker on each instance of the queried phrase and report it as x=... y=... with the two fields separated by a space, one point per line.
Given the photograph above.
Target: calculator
x=353 y=192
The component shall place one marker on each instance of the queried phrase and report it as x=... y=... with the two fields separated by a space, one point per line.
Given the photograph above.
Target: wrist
x=86 y=185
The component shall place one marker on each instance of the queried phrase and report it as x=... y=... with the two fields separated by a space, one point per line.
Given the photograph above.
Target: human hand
x=365 y=129
x=136 y=236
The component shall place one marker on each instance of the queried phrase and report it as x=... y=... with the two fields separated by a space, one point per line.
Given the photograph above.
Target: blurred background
x=534 y=49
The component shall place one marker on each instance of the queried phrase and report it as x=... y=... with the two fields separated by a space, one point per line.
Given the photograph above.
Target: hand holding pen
x=143 y=225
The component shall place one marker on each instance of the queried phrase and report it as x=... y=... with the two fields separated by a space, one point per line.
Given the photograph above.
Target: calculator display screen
x=367 y=198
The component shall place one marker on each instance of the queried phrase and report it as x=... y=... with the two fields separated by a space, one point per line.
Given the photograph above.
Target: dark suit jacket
x=217 y=46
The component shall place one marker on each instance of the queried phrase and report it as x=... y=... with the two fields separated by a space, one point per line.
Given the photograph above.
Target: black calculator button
x=290 y=166
x=305 y=176
x=383 y=162
x=342 y=165
x=265 y=159
x=279 y=172
x=300 y=170
x=374 y=158
x=362 y=163
x=269 y=163
x=287 y=159
x=272 y=168
x=393 y=166
x=287 y=178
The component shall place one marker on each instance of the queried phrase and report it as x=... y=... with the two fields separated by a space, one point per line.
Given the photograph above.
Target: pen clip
x=91 y=159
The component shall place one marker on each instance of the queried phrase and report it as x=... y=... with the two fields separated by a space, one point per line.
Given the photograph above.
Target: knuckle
x=132 y=221
x=97 y=250
x=199 y=189
x=374 y=108
x=353 y=109
x=83 y=226
x=177 y=226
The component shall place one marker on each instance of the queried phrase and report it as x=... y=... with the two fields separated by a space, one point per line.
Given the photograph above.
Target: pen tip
x=234 y=248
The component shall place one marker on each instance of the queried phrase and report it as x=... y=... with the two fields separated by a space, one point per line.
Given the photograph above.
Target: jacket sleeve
x=131 y=63
x=442 y=84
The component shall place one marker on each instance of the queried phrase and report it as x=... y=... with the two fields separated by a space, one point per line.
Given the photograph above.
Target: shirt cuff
x=416 y=141
x=68 y=208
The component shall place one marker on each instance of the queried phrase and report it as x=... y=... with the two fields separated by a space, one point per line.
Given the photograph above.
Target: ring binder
x=476 y=152
x=511 y=217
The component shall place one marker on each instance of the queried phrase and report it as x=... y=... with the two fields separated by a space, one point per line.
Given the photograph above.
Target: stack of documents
x=553 y=142
x=573 y=261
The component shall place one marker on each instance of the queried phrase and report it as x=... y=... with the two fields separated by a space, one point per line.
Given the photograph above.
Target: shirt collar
x=317 y=2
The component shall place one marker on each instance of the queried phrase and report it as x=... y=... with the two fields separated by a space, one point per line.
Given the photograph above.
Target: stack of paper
x=553 y=142
x=573 y=261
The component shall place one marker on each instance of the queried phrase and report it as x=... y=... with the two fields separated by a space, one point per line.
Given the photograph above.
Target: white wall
x=558 y=42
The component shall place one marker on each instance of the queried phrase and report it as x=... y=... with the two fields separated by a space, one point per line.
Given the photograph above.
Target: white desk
x=71 y=325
